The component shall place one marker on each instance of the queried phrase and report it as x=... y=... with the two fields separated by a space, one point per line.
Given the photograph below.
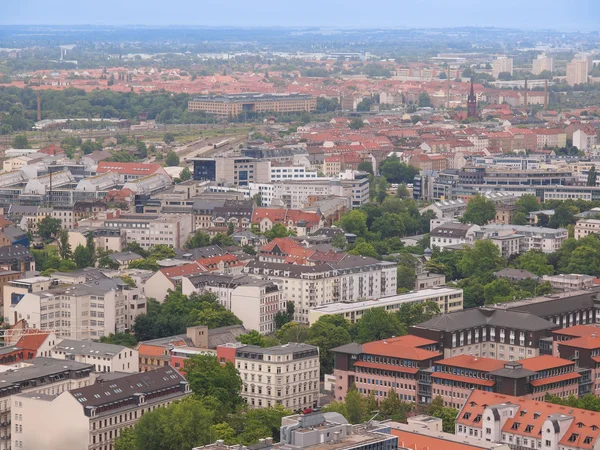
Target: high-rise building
x=541 y=63
x=502 y=64
x=577 y=72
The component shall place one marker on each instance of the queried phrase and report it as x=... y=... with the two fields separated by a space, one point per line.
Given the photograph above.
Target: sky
x=532 y=14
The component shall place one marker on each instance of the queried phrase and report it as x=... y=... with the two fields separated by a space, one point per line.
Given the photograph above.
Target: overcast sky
x=544 y=14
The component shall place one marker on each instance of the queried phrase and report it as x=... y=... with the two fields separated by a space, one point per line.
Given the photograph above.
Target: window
x=573 y=437
x=515 y=426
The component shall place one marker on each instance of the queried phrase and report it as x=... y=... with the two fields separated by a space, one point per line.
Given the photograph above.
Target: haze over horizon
x=529 y=14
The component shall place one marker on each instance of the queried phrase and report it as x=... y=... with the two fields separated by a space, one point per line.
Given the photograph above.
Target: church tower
x=472 y=102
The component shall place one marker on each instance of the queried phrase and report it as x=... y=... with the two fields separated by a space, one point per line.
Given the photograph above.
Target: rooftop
x=91 y=348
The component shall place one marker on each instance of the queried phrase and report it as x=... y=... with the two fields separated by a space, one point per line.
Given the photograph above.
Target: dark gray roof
x=13 y=233
x=452 y=229
x=13 y=253
x=40 y=367
x=553 y=304
x=470 y=318
x=276 y=350
x=201 y=252
x=516 y=274
x=216 y=337
x=513 y=371
x=352 y=348
x=112 y=391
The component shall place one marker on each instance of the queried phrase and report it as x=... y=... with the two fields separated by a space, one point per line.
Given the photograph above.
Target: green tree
x=277 y=231
x=584 y=260
x=499 y=291
x=48 y=227
x=406 y=276
x=126 y=440
x=355 y=406
x=82 y=257
x=91 y=247
x=126 y=339
x=411 y=314
x=376 y=324
x=208 y=377
x=255 y=338
x=172 y=160
x=292 y=332
x=326 y=333
x=339 y=241
x=393 y=408
x=230 y=229
x=527 y=203
x=168 y=138
x=197 y=240
x=354 y=222
x=479 y=211
x=535 y=262
x=592 y=175
x=356 y=124
x=366 y=166
x=563 y=216
x=20 y=141
x=364 y=249
x=448 y=415
x=62 y=241
x=480 y=260
x=222 y=240
x=185 y=174
x=519 y=219
x=424 y=100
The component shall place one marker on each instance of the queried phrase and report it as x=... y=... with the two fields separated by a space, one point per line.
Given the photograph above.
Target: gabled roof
x=180 y=271
x=32 y=340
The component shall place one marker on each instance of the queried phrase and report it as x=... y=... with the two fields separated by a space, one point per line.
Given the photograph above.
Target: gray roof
x=124 y=256
x=553 y=304
x=452 y=229
x=516 y=274
x=200 y=252
x=475 y=317
x=112 y=391
x=91 y=348
x=276 y=350
x=513 y=370
x=12 y=232
x=352 y=348
x=13 y=253
x=40 y=367
x=216 y=337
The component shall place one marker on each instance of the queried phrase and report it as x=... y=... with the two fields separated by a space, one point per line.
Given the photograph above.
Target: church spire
x=472 y=102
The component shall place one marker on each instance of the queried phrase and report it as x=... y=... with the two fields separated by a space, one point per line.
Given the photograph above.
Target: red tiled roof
x=544 y=362
x=556 y=379
x=180 y=271
x=472 y=362
x=452 y=377
x=588 y=342
x=32 y=341
x=370 y=365
x=578 y=330
x=382 y=348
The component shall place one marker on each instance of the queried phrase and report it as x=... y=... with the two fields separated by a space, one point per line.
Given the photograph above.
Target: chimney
x=545 y=95
x=525 y=94
x=39 y=111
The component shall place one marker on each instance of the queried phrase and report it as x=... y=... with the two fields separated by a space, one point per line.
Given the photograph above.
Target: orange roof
x=416 y=441
x=32 y=341
x=274 y=214
x=556 y=379
x=155 y=350
x=284 y=244
x=578 y=330
x=545 y=362
x=180 y=271
x=397 y=350
x=589 y=342
x=534 y=413
x=213 y=261
x=370 y=365
x=452 y=377
x=473 y=362
x=128 y=168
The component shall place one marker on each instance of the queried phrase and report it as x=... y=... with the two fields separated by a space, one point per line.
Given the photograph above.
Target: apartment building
x=285 y=375
x=231 y=105
x=486 y=332
x=104 y=357
x=400 y=363
x=502 y=64
x=94 y=416
x=280 y=172
x=542 y=63
x=523 y=423
x=447 y=299
x=295 y=194
x=148 y=230
x=81 y=311
x=453 y=234
x=351 y=279
x=232 y=170
x=255 y=302
x=40 y=376
x=514 y=239
x=570 y=282
x=577 y=72
x=586 y=227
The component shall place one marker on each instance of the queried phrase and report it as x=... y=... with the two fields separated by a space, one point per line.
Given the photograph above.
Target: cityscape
x=299 y=227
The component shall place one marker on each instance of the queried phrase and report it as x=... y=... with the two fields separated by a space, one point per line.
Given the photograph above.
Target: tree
x=327 y=333
x=403 y=192
x=87 y=147
x=376 y=324
x=277 y=231
x=293 y=332
x=185 y=174
x=91 y=247
x=499 y=291
x=366 y=166
x=448 y=415
x=168 y=138
x=257 y=199
x=48 y=227
x=527 y=203
x=222 y=240
x=20 y=141
x=283 y=317
x=504 y=76
x=230 y=228
x=208 y=377
x=62 y=241
x=411 y=314
x=364 y=249
x=255 y=338
x=479 y=211
x=126 y=440
x=592 y=175
x=424 y=100
x=483 y=259
x=535 y=262
x=354 y=222
x=396 y=171
x=519 y=219
x=406 y=277
x=172 y=159
x=355 y=406
x=356 y=124
x=339 y=241
x=126 y=339
x=197 y=240
x=563 y=216
x=82 y=257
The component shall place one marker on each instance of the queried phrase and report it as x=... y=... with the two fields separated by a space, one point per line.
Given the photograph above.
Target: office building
x=232 y=105
x=104 y=357
x=232 y=170
x=577 y=72
x=502 y=64
x=542 y=63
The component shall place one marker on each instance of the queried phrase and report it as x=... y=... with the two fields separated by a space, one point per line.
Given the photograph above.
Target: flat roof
x=420 y=295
